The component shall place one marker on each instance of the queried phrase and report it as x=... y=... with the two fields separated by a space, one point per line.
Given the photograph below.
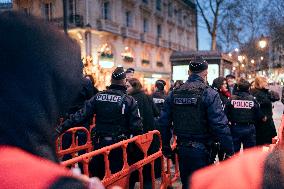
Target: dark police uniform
x=243 y=111
x=196 y=112
x=159 y=99
x=117 y=118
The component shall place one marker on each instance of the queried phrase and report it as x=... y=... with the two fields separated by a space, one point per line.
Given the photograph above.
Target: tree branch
x=211 y=7
x=204 y=18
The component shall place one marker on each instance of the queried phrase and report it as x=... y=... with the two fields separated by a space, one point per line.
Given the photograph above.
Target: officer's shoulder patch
x=158 y=100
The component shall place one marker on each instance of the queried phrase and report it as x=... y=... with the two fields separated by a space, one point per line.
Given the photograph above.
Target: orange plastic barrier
x=74 y=148
x=121 y=178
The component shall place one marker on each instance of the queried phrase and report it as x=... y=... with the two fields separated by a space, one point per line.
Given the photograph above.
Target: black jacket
x=217 y=120
x=146 y=109
x=134 y=122
x=265 y=131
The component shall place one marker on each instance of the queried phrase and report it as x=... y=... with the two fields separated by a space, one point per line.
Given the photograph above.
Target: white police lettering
x=185 y=101
x=108 y=98
x=245 y=104
x=158 y=100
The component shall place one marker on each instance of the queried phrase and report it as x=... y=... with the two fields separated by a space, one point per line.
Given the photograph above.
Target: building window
x=145 y=25
x=179 y=16
x=48 y=11
x=159 y=30
x=158 y=5
x=106 y=10
x=170 y=10
x=145 y=1
x=128 y=18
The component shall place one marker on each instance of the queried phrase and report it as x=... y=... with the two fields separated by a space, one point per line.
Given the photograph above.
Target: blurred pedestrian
x=129 y=73
x=243 y=112
x=231 y=81
x=147 y=111
x=34 y=57
x=265 y=131
x=197 y=115
x=220 y=85
x=178 y=83
x=159 y=95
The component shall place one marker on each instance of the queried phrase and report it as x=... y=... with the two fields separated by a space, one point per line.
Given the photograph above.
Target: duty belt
x=193 y=144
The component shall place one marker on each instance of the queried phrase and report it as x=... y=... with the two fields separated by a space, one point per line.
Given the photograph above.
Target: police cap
x=118 y=74
x=198 y=64
x=130 y=70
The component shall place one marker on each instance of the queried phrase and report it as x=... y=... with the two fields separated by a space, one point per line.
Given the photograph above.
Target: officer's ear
x=189 y=72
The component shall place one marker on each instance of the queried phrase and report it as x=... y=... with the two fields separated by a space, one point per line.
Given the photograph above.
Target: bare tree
x=211 y=20
x=242 y=21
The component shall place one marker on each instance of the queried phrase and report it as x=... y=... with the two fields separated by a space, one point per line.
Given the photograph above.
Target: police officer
x=159 y=95
x=117 y=118
x=117 y=113
x=242 y=111
x=197 y=114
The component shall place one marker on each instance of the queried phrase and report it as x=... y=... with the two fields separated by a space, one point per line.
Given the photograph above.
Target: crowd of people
x=47 y=84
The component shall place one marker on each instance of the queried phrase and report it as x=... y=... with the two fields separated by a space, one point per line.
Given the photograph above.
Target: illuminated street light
x=262 y=43
x=240 y=58
x=236 y=50
x=252 y=61
x=243 y=65
x=230 y=54
x=234 y=68
x=261 y=58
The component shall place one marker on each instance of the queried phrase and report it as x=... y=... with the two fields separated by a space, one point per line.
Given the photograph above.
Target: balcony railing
x=130 y=33
x=162 y=42
x=108 y=25
x=148 y=38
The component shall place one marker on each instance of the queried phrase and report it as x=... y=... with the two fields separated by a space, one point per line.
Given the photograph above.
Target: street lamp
x=262 y=42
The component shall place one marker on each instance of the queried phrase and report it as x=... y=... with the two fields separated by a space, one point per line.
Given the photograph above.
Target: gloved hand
x=167 y=152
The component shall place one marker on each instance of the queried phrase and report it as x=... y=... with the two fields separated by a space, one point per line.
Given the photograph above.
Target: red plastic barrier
x=121 y=178
x=74 y=148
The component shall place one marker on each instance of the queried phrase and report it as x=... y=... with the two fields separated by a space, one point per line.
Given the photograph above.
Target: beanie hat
x=198 y=64
x=118 y=74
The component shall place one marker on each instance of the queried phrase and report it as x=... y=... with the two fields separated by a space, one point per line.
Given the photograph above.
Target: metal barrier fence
x=121 y=178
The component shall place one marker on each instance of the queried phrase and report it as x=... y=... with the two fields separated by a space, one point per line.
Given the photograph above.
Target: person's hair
x=160 y=84
x=218 y=82
x=135 y=83
x=259 y=82
x=230 y=76
x=178 y=83
x=91 y=78
x=243 y=85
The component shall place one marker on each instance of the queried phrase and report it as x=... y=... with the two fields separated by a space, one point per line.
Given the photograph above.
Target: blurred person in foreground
x=265 y=131
x=197 y=115
x=255 y=168
x=34 y=57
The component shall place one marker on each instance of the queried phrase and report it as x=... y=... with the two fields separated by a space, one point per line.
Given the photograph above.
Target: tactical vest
x=159 y=99
x=242 y=109
x=189 y=113
x=110 y=113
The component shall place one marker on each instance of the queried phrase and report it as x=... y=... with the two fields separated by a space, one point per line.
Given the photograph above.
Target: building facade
x=141 y=34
